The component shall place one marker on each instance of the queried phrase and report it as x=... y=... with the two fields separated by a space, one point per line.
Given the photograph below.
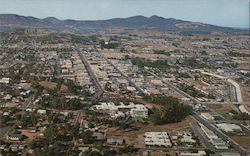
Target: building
x=207 y=116
x=134 y=110
x=186 y=138
x=5 y=80
x=14 y=136
x=117 y=140
x=217 y=142
x=228 y=127
x=139 y=112
x=229 y=154
x=199 y=153
x=41 y=111
x=157 y=139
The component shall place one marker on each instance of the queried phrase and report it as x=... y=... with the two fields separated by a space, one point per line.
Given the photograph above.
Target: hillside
x=11 y=21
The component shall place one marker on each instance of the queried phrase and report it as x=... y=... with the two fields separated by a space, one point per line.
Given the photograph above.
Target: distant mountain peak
x=157 y=17
x=50 y=18
x=156 y=23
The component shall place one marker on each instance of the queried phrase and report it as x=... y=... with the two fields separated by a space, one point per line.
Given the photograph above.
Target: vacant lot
x=244 y=141
x=222 y=108
x=53 y=85
x=29 y=134
x=135 y=137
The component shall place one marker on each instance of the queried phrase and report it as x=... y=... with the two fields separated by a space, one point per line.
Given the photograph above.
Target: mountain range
x=154 y=23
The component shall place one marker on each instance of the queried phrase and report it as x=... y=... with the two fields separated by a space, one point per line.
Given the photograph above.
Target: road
x=77 y=117
x=234 y=144
x=94 y=80
x=194 y=100
x=27 y=102
x=127 y=78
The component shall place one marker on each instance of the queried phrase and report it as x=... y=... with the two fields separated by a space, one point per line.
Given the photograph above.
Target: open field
x=53 y=85
x=223 y=108
x=31 y=136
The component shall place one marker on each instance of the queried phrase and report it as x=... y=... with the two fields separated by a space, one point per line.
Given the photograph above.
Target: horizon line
x=121 y=18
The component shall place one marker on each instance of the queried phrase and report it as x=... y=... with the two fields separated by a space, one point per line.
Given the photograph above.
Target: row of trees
x=164 y=52
x=59 y=102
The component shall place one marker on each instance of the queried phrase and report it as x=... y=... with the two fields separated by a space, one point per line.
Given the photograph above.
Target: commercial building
x=217 y=142
x=135 y=110
x=228 y=127
x=157 y=139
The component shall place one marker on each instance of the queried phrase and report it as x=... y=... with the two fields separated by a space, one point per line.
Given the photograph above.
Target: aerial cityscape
x=138 y=85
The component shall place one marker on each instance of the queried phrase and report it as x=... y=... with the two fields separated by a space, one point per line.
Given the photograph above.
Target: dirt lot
x=130 y=136
x=29 y=134
x=223 y=108
x=52 y=85
x=245 y=90
x=244 y=141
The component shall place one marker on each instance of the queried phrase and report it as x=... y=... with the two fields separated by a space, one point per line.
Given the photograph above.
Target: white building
x=157 y=139
x=41 y=111
x=199 y=153
x=136 y=110
x=228 y=127
x=5 y=80
x=207 y=116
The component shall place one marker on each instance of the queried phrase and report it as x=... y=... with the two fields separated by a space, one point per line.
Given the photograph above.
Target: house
x=99 y=136
x=5 y=80
x=41 y=111
x=8 y=97
x=3 y=147
x=140 y=111
x=117 y=140
x=187 y=139
x=14 y=147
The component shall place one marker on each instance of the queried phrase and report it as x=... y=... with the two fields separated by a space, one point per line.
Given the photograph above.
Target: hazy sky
x=232 y=13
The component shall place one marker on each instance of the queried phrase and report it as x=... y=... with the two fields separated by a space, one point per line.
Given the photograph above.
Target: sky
x=230 y=13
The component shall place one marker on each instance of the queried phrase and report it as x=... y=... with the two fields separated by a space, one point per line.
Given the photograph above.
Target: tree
x=87 y=137
x=171 y=109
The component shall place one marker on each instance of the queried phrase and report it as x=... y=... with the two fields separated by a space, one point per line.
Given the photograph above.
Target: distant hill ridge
x=12 y=21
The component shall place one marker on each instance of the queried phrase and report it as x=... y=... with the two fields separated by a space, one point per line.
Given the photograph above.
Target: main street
x=99 y=90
